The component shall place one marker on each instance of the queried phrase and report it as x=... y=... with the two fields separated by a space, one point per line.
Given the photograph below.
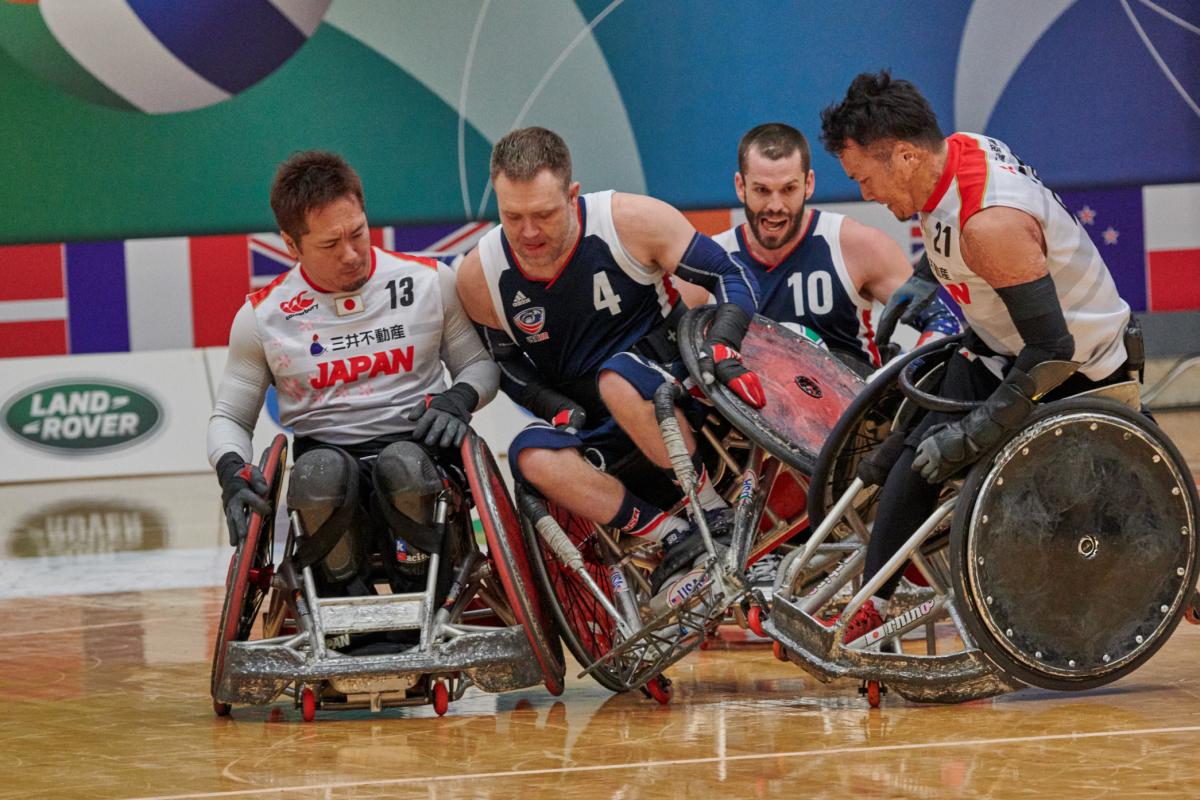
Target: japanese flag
x=348 y=305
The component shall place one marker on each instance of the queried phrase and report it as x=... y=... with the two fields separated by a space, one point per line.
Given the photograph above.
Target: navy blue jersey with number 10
x=600 y=303
x=811 y=286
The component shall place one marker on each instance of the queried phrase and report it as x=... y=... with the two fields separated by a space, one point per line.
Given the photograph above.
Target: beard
x=773 y=241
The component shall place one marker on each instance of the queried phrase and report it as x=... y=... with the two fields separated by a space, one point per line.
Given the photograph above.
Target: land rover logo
x=85 y=417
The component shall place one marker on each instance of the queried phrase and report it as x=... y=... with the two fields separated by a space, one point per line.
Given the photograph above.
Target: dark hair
x=523 y=153
x=308 y=180
x=775 y=141
x=878 y=107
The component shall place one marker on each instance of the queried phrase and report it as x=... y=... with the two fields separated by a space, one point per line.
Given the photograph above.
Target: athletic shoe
x=865 y=620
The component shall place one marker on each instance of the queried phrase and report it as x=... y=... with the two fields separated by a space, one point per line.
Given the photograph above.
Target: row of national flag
x=156 y=294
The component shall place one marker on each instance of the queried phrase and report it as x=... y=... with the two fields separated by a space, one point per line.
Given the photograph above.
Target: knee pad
x=407 y=482
x=323 y=488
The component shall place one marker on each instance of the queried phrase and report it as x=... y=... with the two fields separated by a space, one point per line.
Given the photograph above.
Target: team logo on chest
x=531 y=321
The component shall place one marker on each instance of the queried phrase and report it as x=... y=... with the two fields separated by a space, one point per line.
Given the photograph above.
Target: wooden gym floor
x=109 y=598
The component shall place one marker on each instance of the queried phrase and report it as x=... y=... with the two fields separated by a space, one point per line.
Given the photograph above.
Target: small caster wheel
x=222 y=709
x=308 y=704
x=660 y=689
x=874 y=693
x=441 y=699
x=754 y=620
x=777 y=651
x=1192 y=614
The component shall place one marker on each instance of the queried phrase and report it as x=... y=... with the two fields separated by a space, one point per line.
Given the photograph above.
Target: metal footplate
x=949 y=678
x=259 y=671
x=674 y=633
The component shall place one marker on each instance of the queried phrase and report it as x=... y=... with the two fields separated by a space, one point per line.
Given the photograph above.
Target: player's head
x=531 y=171
x=884 y=132
x=773 y=181
x=318 y=203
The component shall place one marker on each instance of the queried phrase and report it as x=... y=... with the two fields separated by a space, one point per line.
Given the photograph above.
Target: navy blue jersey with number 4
x=811 y=286
x=599 y=304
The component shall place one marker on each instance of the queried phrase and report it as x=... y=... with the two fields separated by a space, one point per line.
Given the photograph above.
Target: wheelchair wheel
x=506 y=548
x=250 y=570
x=866 y=422
x=585 y=627
x=1074 y=547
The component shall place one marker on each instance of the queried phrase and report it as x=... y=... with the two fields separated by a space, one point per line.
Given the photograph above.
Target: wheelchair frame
x=981 y=666
x=453 y=653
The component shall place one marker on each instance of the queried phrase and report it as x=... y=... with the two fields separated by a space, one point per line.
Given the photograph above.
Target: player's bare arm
x=876 y=264
x=1004 y=246
x=655 y=233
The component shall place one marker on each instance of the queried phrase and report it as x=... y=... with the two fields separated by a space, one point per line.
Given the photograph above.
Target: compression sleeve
x=240 y=394
x=706 y=264
x=1038 y=317
x=461 y=351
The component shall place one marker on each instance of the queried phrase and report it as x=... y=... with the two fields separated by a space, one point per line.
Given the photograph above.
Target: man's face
x=336 y=251
x=538 y=217
x=773 y=195
x=884 y=174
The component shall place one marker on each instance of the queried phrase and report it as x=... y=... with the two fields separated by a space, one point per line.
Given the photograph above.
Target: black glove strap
x=729 y=326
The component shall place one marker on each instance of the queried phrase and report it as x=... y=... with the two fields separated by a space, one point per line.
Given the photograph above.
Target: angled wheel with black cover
x=250 y=570
x=509 y=557
x=1074 y=546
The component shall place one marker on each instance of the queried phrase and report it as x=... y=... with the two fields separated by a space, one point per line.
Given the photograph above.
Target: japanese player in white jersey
x=355 y=340
x=576 y=297
x=1044 y=313
x=816 y=269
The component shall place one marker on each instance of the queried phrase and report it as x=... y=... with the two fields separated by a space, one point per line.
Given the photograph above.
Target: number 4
x=603 y=296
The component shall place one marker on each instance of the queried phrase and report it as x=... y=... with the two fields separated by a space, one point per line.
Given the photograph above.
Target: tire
x=506 y=549
x=585 y=627
x=1110 y=542
x=244 y=597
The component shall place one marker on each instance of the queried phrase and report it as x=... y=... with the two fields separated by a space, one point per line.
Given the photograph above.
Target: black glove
x=443 y=419
x=243 y=490
x=570 y=417
x=720 y=358
x=905 y=305
x=949 y=447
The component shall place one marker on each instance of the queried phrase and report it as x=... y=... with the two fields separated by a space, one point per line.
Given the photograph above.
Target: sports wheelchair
x=596 y=582
x=1063 y=560
x=489 y=629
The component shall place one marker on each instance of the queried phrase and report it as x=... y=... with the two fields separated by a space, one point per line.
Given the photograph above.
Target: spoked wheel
x=506 y=548
x=250 y=571
x=1074 y=546
x=587 y=629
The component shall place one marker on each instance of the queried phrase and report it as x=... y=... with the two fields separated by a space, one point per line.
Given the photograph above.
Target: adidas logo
x=519 y=300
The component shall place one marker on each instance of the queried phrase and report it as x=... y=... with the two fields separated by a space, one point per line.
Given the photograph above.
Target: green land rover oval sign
x=84 y=417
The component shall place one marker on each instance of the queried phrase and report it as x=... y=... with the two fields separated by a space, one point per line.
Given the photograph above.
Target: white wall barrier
x=144 y=413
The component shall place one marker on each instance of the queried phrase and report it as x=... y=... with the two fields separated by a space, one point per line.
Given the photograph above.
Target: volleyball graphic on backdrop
x=154 y=56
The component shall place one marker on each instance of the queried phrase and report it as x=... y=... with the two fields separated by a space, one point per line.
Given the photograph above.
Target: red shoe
x=865 y=620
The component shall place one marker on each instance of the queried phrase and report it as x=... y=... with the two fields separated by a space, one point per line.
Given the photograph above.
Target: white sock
x=707 y=495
